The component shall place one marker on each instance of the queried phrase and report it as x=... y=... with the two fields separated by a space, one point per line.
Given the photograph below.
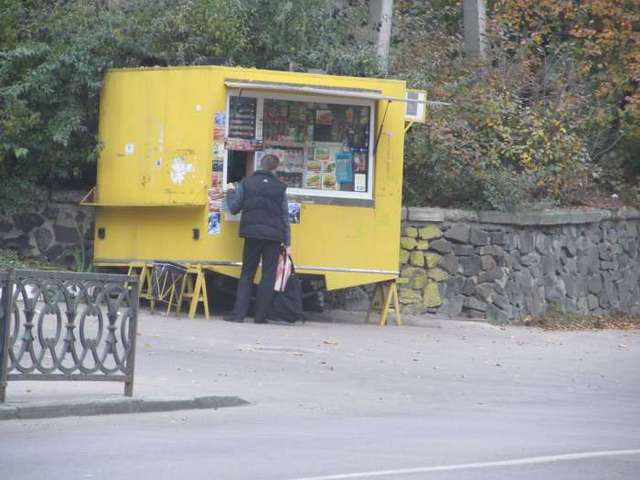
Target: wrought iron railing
x=67 y=326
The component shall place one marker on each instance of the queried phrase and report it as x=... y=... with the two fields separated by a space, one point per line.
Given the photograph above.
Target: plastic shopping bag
x=283 y=272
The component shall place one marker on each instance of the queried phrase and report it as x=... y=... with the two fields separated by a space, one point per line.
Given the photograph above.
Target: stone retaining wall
x=491 y=265
x=503 y=267
x=52 y=231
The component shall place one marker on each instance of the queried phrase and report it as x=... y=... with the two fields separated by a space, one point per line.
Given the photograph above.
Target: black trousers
x=254 y=251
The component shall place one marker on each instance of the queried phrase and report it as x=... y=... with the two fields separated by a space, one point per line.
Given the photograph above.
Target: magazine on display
x=344 y=167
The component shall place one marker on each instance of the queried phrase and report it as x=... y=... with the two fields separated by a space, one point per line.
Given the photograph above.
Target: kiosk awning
x=307 y=89
x=323 y=90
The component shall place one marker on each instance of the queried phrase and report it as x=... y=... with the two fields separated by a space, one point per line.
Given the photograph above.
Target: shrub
x=11 y=259
x=53 y=56
x=506 y=190
x=555 y=95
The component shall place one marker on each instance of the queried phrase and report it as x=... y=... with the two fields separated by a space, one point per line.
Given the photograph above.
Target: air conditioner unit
x=416 y=106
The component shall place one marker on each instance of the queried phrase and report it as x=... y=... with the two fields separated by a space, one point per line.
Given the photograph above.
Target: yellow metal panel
x=167 y=114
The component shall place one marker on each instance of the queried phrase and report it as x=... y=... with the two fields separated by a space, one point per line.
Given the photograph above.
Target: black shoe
x=232 y=318
x=260 y=321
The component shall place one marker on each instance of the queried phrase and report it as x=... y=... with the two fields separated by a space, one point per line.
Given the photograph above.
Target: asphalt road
x=438 y=400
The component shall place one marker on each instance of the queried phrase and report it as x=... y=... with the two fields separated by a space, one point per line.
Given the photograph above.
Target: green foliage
x=53 y=55
x=10 y=259
x=434 y=178
x=18 y=194
x=81 y=260
x=553 y=106
x=432 y=174
x=504 y=191
x=310 y=34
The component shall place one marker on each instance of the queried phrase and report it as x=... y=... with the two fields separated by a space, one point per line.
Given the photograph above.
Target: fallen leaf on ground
x=571 y=321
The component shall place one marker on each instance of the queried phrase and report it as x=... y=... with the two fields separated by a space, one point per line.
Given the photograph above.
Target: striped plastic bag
x=283 y=272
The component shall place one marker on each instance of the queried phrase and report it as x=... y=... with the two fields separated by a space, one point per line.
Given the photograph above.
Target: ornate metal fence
x=67 y=326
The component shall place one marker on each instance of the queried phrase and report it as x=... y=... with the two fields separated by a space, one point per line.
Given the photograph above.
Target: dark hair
x=269 y=162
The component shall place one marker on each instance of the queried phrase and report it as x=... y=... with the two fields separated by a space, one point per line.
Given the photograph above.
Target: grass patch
x=556 y=319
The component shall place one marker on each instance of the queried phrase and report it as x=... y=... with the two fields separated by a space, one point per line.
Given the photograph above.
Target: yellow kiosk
x=171 y=138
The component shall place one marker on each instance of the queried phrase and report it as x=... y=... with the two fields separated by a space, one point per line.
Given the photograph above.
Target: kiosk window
x=324 y=147
x=240 y=165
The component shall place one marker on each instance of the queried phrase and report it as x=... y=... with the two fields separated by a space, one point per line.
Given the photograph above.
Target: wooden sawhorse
x=385 y=293
x=143 y=270
x=196 y=293
x=188 y=290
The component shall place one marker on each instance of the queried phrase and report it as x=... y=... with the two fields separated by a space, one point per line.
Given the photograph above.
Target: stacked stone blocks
x=420 y=265
x=52 y=230
x=506 y=267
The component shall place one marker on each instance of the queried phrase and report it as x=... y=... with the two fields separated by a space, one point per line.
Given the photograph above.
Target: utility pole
x=380 y=16
x=474 y=13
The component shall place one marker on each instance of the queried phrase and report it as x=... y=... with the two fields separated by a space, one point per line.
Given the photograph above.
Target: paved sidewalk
x=359 y=367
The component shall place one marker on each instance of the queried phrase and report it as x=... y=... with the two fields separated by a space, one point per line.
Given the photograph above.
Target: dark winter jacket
x=263 y=201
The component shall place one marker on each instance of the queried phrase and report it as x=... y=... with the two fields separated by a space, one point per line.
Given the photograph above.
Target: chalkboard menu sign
x=242 y=117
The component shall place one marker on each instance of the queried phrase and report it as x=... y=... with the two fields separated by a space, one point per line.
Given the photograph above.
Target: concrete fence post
x=474 y=13
x=380 y=17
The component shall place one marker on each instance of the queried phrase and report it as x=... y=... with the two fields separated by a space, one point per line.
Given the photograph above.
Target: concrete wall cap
x=547 y=217
x=560 y=216
x=626 y=213
x=418 y=214
x=68 y=196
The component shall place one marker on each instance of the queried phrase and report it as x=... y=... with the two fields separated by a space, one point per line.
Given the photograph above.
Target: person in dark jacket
x=262 y=199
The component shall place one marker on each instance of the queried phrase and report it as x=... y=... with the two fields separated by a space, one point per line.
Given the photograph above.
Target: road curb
x=116 y=406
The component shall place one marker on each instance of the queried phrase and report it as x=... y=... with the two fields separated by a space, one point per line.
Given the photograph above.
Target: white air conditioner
x=416 y=106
